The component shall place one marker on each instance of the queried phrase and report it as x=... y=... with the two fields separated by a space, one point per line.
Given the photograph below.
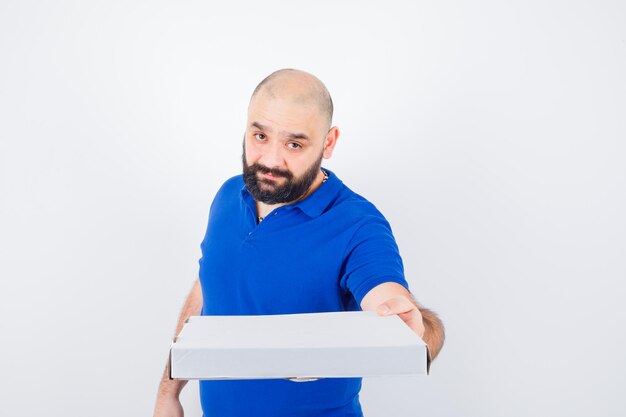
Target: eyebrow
x=297 y=136
x=289 y=135
x=260 y=126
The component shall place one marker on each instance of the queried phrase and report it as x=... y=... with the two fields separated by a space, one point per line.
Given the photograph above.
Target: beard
x=268 y=191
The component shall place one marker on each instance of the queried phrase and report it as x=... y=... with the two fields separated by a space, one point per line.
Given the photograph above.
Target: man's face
x=282 y=149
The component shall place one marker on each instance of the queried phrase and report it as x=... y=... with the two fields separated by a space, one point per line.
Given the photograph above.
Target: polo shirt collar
x=317 y=201
x=320 y=199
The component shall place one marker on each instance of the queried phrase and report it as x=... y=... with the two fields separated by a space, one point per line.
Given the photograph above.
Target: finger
x=414 y=320
x=406 y=310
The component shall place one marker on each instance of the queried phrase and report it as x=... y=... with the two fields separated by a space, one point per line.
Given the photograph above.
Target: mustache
x=277 y=172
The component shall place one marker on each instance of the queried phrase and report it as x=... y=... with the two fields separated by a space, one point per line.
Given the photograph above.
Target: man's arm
x=168 y=403
x=392 y=298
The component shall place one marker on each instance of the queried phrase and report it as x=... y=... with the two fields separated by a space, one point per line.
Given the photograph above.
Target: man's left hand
x=407 y=311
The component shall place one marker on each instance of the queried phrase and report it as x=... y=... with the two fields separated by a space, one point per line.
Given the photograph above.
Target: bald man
x=285 y=237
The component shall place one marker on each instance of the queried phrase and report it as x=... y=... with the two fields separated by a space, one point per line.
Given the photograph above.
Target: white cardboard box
x=315 y=345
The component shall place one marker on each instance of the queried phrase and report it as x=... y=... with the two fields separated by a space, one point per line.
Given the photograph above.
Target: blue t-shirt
x=321 y=254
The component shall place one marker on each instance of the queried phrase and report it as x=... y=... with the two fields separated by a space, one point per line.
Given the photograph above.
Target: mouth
x=269 y=176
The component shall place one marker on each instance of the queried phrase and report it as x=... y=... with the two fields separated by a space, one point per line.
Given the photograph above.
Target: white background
x=491 y=134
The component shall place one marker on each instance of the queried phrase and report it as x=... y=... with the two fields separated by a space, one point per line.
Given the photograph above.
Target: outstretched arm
x=392 y=298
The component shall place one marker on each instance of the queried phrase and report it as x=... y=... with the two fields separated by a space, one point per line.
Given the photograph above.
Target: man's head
x=287 y=134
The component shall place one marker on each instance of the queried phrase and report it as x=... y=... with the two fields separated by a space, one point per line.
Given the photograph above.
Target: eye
x=259 y=136
x=295 y=145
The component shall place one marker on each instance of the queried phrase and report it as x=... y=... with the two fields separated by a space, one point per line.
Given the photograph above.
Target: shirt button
x=275 y=213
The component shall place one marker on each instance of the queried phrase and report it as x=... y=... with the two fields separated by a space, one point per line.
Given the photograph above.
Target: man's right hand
x=168 y=407
x=168 y=402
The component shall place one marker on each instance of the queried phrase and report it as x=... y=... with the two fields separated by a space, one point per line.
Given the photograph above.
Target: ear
x=330 y=141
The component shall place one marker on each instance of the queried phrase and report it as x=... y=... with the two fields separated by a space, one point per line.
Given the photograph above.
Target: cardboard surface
x=316 y=345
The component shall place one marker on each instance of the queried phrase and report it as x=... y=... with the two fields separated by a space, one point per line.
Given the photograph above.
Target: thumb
x=383 y=310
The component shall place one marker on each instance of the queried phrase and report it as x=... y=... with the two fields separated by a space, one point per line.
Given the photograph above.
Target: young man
x=286 y=237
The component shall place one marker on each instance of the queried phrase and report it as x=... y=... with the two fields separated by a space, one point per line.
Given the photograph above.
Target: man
x=286 y=237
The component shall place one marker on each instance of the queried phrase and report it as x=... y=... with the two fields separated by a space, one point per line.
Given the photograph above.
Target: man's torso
x=321 y=254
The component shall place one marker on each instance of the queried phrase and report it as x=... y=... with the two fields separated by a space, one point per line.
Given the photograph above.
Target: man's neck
x=263 y=209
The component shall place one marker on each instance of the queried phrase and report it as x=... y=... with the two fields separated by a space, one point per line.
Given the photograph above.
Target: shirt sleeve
x=371 y=258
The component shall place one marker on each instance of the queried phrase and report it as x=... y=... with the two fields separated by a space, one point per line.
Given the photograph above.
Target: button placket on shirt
x=273 y=213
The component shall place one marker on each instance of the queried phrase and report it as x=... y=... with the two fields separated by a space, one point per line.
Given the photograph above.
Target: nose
x=272 y=156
